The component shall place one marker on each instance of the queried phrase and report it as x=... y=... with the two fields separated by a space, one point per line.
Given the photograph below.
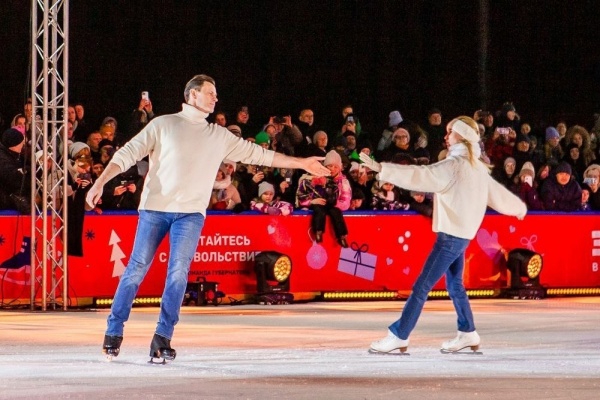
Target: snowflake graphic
x=90 y=235
x=2 y=240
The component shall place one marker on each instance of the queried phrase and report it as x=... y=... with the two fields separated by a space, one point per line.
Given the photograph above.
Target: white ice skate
x=388 y=344
x=462 y=341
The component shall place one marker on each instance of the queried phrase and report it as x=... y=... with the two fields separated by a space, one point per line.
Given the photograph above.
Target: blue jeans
x=184 y=233
x=446 y=257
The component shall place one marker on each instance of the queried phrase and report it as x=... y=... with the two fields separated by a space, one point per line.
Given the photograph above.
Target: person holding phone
x=463 y=189
x=591 y=177
x=143 y=113
x=185 y=153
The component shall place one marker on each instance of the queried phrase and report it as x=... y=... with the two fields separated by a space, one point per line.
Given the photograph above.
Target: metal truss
x=49 y=77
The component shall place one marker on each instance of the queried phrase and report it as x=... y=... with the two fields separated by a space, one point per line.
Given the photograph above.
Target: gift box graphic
x=355 y=260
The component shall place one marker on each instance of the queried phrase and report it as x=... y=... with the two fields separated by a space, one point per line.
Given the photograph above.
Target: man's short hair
x=196 y=82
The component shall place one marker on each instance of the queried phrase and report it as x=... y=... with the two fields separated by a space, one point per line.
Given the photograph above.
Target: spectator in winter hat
x=552 y=133
x=400 y=144
x=13 y=139
x=13 y=177
x=262 y=138
x=394 y=120
x=553 y=152
x=527 y=188
x=326 y=196
x=561 y=192
x=267 y=203
x=521 y=152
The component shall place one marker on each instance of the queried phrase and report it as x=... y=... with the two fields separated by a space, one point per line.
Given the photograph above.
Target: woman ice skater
x=463 y=189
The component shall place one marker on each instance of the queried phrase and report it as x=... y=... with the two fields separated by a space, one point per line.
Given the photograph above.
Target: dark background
x=278 y=57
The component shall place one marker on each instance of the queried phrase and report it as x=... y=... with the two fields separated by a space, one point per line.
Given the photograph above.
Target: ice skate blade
x=401 y=352
x=464 y=350
x=157 y=361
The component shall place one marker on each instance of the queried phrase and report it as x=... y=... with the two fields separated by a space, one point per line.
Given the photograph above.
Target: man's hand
x=313 y=166
x=369 y=162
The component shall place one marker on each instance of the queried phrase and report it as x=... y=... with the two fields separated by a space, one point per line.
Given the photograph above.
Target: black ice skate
x=161 y=349
x=111 y=346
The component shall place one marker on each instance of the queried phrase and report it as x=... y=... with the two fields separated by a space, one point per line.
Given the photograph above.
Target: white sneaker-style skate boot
x=461 y=341
x=388 y=344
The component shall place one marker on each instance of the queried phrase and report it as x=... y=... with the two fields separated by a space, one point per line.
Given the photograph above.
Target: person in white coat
x=463 y=189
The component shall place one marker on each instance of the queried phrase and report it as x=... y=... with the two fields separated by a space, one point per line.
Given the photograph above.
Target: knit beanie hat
x=262 y=137
x=265 y=187
x=398 y=131
x=105 y=142
x=523 y=138
x=552 y=133
x=76 y=147
x=563 y=167
x=333 y=158
x=229 y=162
x=510 y=160
x=12 y=137
x=340 y=141
x=527 y=169
x=395 y=118
x=109 y=120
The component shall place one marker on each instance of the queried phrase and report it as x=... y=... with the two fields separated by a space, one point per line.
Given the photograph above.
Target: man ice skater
x=185 y=153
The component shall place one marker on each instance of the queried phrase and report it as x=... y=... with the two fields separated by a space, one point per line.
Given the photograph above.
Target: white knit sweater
x=461 y=193
x=185 y=152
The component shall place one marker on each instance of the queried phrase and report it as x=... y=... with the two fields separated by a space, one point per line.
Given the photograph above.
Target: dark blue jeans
x=446 y=257
x=184 y=233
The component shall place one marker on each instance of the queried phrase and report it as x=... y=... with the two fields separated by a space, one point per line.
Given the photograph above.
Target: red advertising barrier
x=386 y=253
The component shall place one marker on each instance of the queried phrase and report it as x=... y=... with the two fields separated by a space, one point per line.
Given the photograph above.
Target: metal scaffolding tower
x=49 y=100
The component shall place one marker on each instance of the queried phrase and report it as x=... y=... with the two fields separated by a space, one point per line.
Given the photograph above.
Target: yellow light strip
x=573 y=292
x=137 y=301
x=436 y=294
x=359 y=295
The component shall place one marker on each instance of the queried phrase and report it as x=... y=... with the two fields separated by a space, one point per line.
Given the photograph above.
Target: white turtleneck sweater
x=185 y=153
x=462 y=192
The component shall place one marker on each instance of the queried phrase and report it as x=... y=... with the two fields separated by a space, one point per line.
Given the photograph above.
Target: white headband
x=465 y=131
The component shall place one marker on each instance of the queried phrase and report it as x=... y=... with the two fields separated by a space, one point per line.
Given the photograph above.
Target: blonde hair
x=472 y=124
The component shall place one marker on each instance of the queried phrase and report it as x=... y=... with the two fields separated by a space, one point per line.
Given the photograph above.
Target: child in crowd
x=326 y=196
x=387 y=198
x=585 y=198
x=267 y=203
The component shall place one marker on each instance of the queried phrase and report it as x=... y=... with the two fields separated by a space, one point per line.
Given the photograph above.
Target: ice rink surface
x=532 y=349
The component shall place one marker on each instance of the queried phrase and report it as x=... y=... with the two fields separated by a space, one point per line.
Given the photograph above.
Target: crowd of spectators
x=552 y=168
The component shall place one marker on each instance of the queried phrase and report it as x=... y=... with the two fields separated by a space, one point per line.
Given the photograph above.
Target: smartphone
x=503 y=131
x=350 y=118
x=590 y=181
x=145 y=95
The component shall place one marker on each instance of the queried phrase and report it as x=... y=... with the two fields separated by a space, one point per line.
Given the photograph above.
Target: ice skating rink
x=532 y=349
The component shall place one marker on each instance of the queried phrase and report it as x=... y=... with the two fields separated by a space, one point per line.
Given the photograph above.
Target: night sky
x=278 y=57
